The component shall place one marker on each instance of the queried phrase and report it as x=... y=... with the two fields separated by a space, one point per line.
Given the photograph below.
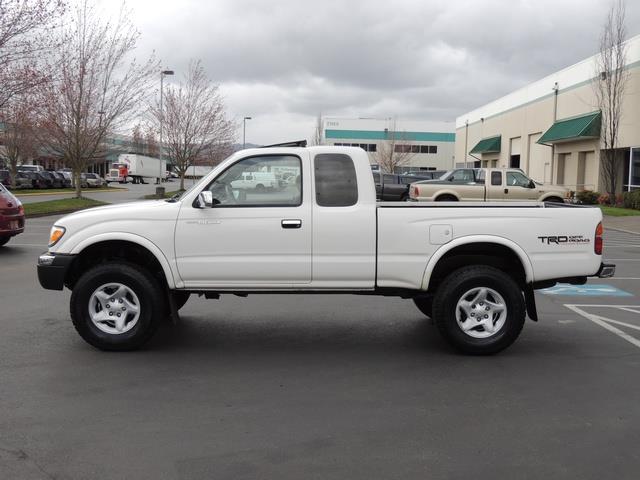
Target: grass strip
x=64 y=205
x=619 y=212
x=46 y=191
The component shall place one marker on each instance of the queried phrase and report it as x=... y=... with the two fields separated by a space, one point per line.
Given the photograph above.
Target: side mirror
x=204 y=200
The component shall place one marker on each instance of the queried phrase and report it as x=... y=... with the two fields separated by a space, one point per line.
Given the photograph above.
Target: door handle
x=506 y=190
x=291 y=223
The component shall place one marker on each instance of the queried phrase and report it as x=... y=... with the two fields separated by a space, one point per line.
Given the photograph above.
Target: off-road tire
x=153 y=305
x=452 y=290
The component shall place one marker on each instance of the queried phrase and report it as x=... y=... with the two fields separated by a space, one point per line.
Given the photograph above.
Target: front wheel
x=117 y=306
x=479 y=310
x=554 y=200
x=4 y=240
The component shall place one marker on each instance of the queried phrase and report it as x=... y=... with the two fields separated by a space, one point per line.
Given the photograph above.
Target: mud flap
x=173 y=310
x=530 y=301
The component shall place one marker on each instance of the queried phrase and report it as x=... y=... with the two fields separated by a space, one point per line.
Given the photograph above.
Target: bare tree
x=394 y=151
x=26 y=28
x=194 y=119
x=609 y=86
x=317 y=131
x=18 y=133
x=137 y=139
x=96 y=90
x=151 y=142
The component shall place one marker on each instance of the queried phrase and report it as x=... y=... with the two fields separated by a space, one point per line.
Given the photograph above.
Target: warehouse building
x=422 y=145
x=551 y=129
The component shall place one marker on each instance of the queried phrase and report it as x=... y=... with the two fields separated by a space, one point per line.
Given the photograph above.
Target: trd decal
x=564 y=239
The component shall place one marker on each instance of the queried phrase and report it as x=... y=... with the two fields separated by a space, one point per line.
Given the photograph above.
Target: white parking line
x=606 y=322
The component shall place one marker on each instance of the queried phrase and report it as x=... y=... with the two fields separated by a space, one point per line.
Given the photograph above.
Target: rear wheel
x=446 y=198
x=260 y=188
x=554 y=200
x=117 y=306
x=479 y=310
x=180 y=298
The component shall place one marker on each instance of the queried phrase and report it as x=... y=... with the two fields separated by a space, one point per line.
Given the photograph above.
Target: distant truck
x=486 y=185
x=136 y=168
x=395 y=188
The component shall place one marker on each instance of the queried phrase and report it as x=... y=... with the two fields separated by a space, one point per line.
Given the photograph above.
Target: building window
x=372 y=147
x=415 y=148
x=424 y=148
x=433 y=149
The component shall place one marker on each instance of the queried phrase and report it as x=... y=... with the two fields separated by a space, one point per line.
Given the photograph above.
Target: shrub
x=604 y=199
x=631 y=199
x=588 y=197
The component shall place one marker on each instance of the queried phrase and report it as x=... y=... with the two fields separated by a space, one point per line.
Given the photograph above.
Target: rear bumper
x=52 y=270
x=606 y=270
x=11 y=225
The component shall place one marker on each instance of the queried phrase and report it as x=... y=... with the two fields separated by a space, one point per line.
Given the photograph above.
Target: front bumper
x=52 y=270
x=607 y=270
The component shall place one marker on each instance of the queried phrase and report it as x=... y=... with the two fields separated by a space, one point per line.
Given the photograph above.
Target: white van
x=259 y=181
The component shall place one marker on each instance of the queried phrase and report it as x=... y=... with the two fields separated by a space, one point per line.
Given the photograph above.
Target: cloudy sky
x=284 y=61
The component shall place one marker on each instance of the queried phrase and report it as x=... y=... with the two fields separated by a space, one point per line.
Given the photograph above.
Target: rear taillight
x=414 y=191
x=598 y=244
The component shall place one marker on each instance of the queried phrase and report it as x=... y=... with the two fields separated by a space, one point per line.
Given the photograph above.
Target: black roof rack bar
x=297 y=143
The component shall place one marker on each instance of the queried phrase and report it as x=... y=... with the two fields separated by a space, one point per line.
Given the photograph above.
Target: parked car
x=486 y=184
x=55 y=181
x=30 y=168
x=258 y=181
x=68 y=176
x=25 y=180
x=91 y=180
x=64 y=181
x=45 y=181
x=5 y=178
x=11 y=216
x=394 y=188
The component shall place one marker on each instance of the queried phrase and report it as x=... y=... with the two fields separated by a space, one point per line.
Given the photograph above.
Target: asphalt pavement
x=315 y=386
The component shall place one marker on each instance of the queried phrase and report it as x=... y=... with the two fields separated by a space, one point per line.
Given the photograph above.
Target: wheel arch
x=125 y=246
x=447 y=192
x=477 y=249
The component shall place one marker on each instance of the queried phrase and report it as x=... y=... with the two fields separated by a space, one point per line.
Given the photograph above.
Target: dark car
x=5 y=178
x=11 y=216
x=64 y=181
x=29 y=180
x=55 y=181
x=393 y=188
x=45 y=181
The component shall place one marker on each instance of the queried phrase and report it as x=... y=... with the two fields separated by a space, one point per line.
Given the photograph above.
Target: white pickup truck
x=472 y=267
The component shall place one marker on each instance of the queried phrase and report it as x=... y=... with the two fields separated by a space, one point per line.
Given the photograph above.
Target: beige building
x=551 y=129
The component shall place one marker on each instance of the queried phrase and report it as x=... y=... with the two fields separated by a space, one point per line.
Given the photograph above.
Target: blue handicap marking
x=586 y=290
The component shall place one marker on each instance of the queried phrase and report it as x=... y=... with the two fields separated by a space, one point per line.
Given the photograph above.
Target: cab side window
x=335 y=180
x=262 y=181
x=517 y=179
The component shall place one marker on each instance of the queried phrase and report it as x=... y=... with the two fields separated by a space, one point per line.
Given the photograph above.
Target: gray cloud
x=284 y=61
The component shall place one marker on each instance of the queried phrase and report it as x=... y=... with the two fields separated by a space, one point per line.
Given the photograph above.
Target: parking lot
x=304 y=386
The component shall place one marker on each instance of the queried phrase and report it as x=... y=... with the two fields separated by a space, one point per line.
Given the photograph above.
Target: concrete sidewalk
x=625 y=224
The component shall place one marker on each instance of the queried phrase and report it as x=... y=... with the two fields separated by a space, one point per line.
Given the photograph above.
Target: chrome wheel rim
x=481 y=312
x=114 y=308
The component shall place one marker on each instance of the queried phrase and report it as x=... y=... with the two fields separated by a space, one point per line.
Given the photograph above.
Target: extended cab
x=472 y=269
x=486 y=184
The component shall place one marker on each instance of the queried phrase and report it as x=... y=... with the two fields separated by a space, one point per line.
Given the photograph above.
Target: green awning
x=575 y=128
x=488 y=145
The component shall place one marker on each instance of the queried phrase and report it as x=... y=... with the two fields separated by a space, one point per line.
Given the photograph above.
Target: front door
x=250 y=238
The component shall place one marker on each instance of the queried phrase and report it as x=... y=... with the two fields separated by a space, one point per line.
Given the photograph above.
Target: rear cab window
x=496 y=178
x=335 y=180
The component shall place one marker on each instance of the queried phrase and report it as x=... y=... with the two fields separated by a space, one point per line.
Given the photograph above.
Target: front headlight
x=55 y=235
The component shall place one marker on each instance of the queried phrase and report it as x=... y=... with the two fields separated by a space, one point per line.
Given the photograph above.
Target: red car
x=11 y=215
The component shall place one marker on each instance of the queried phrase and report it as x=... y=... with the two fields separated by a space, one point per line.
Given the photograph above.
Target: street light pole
x=162 y=74
x=244 y=129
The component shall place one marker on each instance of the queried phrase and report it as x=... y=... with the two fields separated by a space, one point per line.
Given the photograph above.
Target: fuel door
x=440 y=234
